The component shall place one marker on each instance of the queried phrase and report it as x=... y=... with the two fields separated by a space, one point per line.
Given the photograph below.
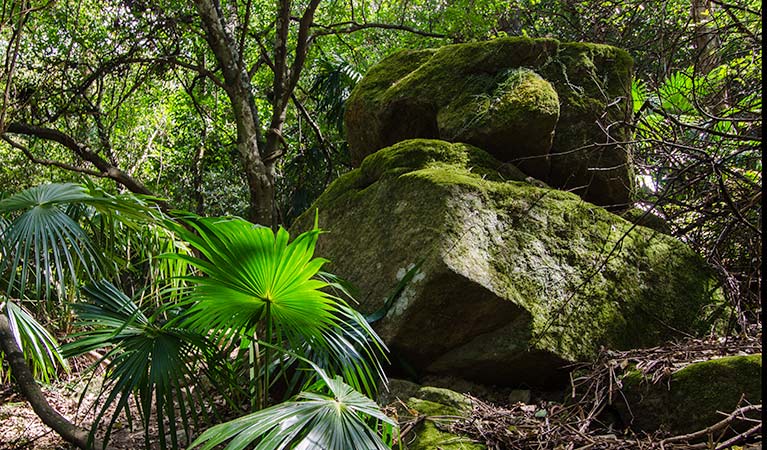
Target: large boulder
x=516 y=280
x=543 y=105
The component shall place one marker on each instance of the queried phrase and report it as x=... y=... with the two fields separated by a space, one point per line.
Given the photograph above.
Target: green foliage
x=255 y=293
x=41 y=350
x=258 y=285
x=147 y=356
x=44 y=246
x=332 y=416
x=333 y=82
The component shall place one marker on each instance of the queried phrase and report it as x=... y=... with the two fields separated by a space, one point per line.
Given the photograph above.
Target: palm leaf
x=676 y=91
x=44 y=248
x=40 y=348
x=338 y=419
x=154 y=361
x=254 y=276
x=333 y=82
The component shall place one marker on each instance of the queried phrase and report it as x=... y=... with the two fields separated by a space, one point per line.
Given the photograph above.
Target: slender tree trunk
x=259 y=174
x=706 y=36
x=198 y=178
x=34 y=395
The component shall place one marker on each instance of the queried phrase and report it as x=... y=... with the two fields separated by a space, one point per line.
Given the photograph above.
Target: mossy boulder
x=516 y=280
x=541 y=104
x=438 y=408
x=694 y=398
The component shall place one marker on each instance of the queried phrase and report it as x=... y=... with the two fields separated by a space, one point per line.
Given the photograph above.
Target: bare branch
x=351 y=27
x=49 y=162
x=105 y=168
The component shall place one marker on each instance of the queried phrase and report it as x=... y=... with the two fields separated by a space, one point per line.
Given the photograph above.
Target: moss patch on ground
x=432 y=431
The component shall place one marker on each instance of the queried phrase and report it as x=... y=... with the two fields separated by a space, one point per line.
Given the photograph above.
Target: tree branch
x=351 y=27
x=302 y=48
x=105 y=168
x=34 y=395
x=50 y=162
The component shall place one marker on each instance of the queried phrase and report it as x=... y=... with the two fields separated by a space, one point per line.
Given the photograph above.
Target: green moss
x=454 y=68
x=575 y=275
x=446 y=397
x=603 y=302
x=519 y=99
x=431 y=434
x=690 y=401
x=390 y=70
x=411 y=155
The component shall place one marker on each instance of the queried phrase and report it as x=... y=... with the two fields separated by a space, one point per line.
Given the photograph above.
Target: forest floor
x=21 y=429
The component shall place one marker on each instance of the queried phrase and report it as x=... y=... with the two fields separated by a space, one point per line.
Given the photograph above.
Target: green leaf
x=44 y=248
x=40 y=348
x=338 y=419
x=154 y=361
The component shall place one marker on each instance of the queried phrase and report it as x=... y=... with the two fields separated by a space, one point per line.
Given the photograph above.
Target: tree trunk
x=34 y=395
x=258 y=172
x=706 y=36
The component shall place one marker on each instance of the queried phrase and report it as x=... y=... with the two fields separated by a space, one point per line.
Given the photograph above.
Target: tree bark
x=259 y=171
x=34 y=395
x=706 y=36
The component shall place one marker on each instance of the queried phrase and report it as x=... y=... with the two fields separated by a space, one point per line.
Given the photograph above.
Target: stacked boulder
x=479 y=221
x=558 y=111
x=509 y=281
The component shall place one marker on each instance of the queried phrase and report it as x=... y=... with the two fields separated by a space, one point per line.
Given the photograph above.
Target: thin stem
x=267 y=353
x=254 y=360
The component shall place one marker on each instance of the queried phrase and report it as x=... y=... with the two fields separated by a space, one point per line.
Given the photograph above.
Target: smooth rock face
x=540 y=104
x=516 y=280
x=689 y=401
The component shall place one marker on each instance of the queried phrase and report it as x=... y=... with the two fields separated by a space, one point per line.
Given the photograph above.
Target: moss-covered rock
x=516 y=280
x=510 y=97
x=438 y=408
x=694 y=397
x=433 y=410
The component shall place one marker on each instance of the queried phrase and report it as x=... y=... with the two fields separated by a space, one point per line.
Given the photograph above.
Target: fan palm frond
x=44 y=247
x=338 y=419
x=153 y=360
x=334 y=80
x=255 y=277
x=41 y=350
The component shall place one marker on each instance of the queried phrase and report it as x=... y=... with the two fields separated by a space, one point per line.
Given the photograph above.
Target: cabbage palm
x=147 y=356
x=259 y=287
x=255 y=289
x=338 y=418
x=45 y=254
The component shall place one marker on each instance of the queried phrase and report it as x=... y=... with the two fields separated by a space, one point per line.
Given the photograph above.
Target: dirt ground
x=20 y=428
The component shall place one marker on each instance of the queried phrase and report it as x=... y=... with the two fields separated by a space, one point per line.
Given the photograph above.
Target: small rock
x=519 y=396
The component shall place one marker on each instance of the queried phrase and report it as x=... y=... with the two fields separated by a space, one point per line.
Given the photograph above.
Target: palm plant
x=46 y=253
x=259 y=287
x=256 y=294
x=147 y=357
x=336 y=417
